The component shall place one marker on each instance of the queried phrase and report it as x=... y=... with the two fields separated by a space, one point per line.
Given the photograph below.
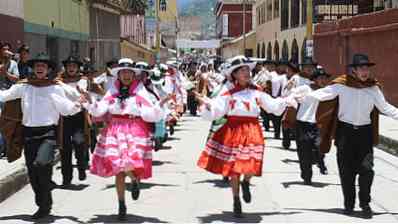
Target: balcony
x=119 y=5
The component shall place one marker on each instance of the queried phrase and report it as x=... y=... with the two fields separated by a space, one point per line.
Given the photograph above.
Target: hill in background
x=202 y=9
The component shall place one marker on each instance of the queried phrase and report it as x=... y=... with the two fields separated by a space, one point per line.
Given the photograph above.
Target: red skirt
x=236 y=148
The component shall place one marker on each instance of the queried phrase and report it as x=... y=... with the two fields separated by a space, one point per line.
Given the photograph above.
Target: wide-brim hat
x=144 y=67
x=157 y=78
x=111 y=62
x=43 y=58
x=237 y=62
x=361 y=60
x=268 y=62
x=282 y=62
x=308 y=61
x=294 y=66
x=88 y=68
x=318 y=72
x=125 y=64
x=72 y=60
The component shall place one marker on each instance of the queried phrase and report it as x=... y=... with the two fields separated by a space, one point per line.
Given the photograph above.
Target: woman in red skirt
x=237 y=148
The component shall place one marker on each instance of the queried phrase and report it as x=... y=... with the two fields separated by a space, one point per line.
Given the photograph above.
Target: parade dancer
x=42 y=104
x=106 y=79
x=287 y=130
x=75 y=128
x=124 y=146
x=308 y=136
x=237 y=148
x=354 y=125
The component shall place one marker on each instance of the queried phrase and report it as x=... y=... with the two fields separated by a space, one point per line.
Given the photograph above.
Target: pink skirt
x=123 y=145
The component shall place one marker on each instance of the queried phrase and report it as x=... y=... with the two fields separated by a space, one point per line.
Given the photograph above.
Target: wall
x=136 y=52
x=373 y=34
x=235 y=47
x=235 y=19
x=104 y=36
x=62 y=18
x=11 y=17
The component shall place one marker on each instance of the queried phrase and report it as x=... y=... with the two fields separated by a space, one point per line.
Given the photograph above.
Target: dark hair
x=23 y=47
x=6 y=44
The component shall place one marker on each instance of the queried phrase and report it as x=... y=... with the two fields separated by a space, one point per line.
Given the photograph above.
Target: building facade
x=229 y=18
x=62 y=29
x=12 y=17
x=281 y=24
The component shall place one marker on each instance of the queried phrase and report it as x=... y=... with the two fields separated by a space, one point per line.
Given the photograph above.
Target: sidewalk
x=13 y=177
x=388 y=135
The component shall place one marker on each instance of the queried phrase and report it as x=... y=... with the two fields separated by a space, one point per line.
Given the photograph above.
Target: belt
x=355 y=127
x=127 y=116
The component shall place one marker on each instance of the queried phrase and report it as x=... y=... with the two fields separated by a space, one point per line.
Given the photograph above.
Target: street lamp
x=310 y=42
x=244 y=27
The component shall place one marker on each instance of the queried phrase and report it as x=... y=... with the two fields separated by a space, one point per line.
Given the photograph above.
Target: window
x=285 y=15
x=303 y=12
x=276 y=51
x=276 y=8
x=269 y=10
x=258 y=50
x=285 y=50
x=295 y=14
x=263 y=51
x=269 y=51
x=295 y=51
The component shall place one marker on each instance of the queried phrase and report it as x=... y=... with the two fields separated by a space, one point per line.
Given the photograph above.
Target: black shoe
x=286 y=145
x=66 y=183
x=53 y=185
x=225 y=179
x=277 y=137
x=82 y=175
x=122 y=211
x=41 y=213
x=237 y=208
x=135 y=190
x=367 y=212
x=171 y=130
x=247 y=197
x=348 y=211
x=324 y=171
x=308 y=182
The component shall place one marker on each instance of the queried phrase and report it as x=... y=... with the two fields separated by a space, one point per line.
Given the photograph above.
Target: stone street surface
x=181 y=192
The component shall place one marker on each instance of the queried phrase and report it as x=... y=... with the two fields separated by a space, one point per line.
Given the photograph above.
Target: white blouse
x=139 y=105
x=71 y=89
x=41 y=106
x=245 y=103
x=308 y=105
x=355 y=105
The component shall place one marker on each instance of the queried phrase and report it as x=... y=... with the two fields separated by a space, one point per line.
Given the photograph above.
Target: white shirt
x=139 y=105
x=355 y=105
x=71 y=89
x=246 y=103
x=41 y=106
x=107 y=80
x=277 y=83
x=308 y=105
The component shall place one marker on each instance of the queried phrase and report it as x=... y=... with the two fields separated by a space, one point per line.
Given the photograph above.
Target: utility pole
x=157 y=56
x=310 y=41
x=244 y=27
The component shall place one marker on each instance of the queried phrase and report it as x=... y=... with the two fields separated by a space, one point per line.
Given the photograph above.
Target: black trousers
x=355 y=157
x=266 y=118
x=308 y=142
x=276 y=123
x=192 y=104
x=39 y=154
x=73 y=140
x=288 y=135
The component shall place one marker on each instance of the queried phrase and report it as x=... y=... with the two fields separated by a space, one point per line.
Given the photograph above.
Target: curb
x=13 y=183
x=388 y=145
x=17 y=180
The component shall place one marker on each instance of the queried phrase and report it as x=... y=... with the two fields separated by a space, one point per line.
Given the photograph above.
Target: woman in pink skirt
x=124 y=146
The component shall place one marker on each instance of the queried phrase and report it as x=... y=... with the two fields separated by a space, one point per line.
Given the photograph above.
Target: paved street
x=181 y=192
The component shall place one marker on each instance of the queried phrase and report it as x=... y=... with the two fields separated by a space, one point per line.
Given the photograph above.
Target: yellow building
x=168 y=22
x=281 y=29
x=137 y=52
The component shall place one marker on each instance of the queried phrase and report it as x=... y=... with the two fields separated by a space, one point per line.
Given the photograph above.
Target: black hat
x=318 y=72
x=24 y=47
x=283 y=61
x=113 y=61
x=268 y=62
x=88 y=68
x=360 y=60
x=308 y=61
x=72 y=60
x=293 y=65
x=44 y=58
